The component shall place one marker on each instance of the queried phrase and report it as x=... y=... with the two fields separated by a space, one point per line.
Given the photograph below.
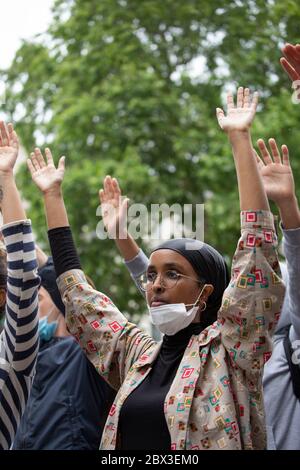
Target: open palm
x=276 y=172
x=45 y=175
x=114 y=207
x=239 y=117
x=291 y=61
x=9 y=147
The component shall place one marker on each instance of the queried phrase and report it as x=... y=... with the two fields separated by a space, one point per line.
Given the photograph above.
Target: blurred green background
x=129 y=88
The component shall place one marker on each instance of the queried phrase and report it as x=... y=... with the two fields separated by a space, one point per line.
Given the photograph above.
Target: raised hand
x=114 y=208
x=291 y=61
x=276 y=172
x=9 y=148
x=45 y=175
x=239 y=117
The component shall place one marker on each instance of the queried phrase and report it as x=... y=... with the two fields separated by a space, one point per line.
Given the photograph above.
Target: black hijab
x=48 y=281
x=210 y=267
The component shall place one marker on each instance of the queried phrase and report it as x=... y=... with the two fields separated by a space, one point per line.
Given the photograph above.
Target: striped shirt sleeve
x=19 y=338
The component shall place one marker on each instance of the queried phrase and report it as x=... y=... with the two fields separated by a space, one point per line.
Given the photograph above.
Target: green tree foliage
x=112 y=85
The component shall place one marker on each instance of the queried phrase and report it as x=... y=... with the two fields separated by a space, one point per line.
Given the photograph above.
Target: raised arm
x=19 y=339
x=48 y=179
x=110 y=342
x=253 y=299
x=114 y=211
x=278 y=181
x=12 y=208
x=237 y=124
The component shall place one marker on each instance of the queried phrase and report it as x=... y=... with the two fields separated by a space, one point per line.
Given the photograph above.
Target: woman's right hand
x=44 y=174
x=114 y=208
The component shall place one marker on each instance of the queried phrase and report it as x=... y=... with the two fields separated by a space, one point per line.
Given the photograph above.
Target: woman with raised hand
x=63 y=412
x=19 y=338
x=281 y=376
x=200 y=388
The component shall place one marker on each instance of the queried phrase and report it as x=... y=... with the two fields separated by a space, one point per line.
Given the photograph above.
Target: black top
x=142 y=422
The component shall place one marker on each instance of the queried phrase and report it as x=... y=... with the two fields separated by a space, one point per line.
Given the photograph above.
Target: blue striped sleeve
x=19 y=339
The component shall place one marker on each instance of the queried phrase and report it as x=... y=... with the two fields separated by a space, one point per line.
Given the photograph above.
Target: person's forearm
x=63 y=250
x=55 y=210
x=251 y=189
x=127 y=247
x=12 y=208
x=289 y=213
x=60 y=237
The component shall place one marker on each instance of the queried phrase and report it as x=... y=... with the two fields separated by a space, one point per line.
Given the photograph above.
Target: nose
x=157 y=285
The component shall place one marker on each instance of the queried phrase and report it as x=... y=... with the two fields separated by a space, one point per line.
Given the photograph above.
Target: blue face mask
x=47 y=330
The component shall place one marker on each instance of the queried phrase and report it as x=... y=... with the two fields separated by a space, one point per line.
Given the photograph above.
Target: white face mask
x=171 y=318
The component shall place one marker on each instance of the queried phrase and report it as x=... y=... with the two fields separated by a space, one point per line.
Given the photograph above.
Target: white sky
x=21 y=19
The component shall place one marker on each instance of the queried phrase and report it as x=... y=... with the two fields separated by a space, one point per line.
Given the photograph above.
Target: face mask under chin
x=171 y=318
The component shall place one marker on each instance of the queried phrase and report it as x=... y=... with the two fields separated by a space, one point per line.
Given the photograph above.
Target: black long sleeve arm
x=63 y=250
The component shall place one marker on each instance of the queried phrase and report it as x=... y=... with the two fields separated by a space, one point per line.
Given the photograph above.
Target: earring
x=203 y=306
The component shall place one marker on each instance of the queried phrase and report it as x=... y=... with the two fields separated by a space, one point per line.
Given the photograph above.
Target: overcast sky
x=21 y=19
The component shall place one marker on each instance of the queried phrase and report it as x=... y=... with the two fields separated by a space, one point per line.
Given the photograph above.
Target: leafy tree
x=112 y=85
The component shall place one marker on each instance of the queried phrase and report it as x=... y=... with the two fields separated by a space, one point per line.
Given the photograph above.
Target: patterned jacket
x=215 y=401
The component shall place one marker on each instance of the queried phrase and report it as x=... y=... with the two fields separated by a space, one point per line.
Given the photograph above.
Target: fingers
x=49 y=157
x=230 y=102
x=34 y=161
x=103 y=193
x=255 y=100
x=266 y=157
x=275 y=151
x=11 y=132
x=258 y=159
x=246 y=98
x=10 y=127
x=285 y=155
x=243 y=100
x=4 y=134
x=292 y=55
x=116 y=187
x=108 y=187
x=8 y=136
x=289 y=69
x=240 y=97
x=61 y=164
x=124 y=206
x=102 y=196
x=39 y=158
x=38 y=161
x=220 y=116
x=31 y=166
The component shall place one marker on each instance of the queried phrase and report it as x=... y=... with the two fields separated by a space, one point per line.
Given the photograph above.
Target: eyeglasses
x=168 y=279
